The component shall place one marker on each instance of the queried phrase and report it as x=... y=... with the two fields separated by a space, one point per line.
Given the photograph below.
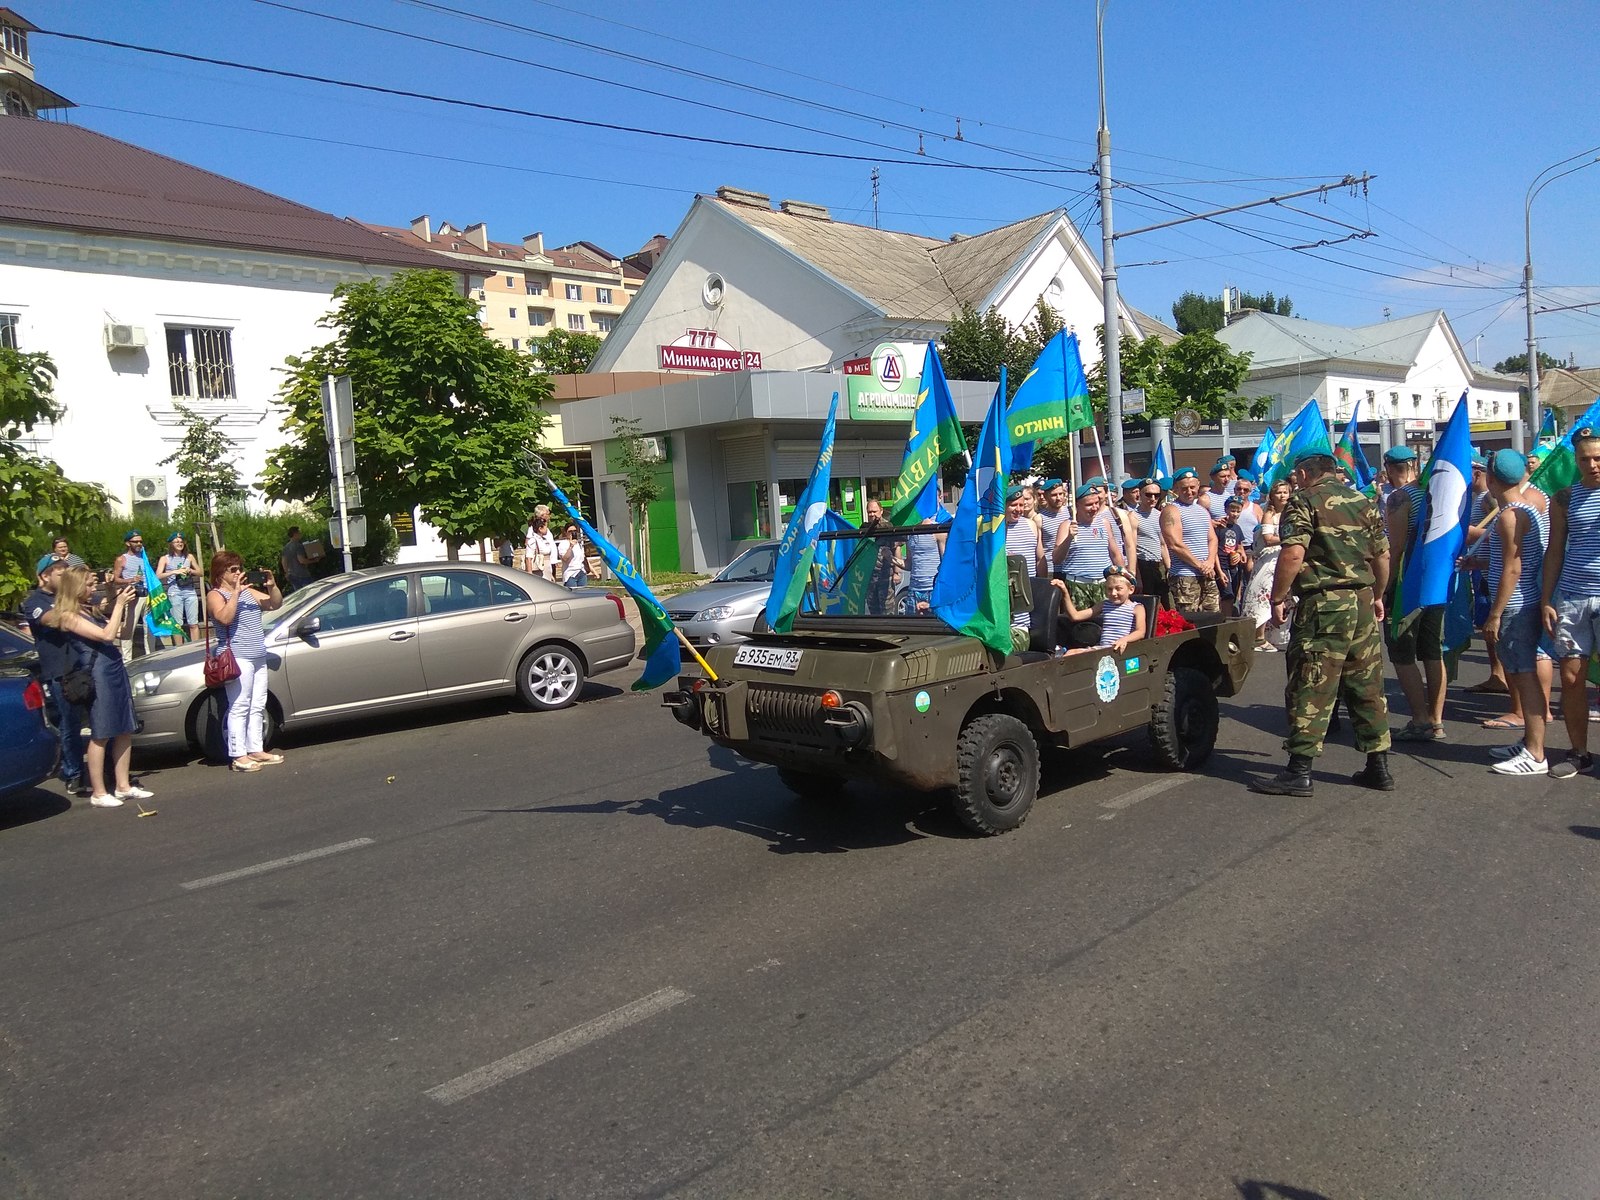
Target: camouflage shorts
x=1193 y=594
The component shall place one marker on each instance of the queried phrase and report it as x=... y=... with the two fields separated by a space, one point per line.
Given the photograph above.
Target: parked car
x=399 y=637
x=28 y=745
x=725 y=610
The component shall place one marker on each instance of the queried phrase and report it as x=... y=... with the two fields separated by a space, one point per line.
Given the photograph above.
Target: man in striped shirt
x=1570 y=596
x=1191 y=546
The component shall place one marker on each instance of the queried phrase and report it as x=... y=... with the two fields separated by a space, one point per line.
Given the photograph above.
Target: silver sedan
x=399 y=637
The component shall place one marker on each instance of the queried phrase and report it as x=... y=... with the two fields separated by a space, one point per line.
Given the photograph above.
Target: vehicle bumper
x=703 y=635
x=162 y=721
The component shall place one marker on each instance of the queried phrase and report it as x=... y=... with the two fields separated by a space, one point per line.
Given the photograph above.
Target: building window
x=535 y=317
x=511 y=280
x=535 y=288
x=604 y=324
x=16 y=41
x=749 y=517
x=575 y=322
x=574 y=291
x=513 y=312
x=515 y=344
x=9 y=323
x=1344 y=397
x=200 y=363
x=602 y=295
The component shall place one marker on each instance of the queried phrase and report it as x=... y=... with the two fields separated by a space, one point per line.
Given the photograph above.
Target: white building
x=152 y=283
x=755 y=315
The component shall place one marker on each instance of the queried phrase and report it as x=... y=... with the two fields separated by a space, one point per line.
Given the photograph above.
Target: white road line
x=553 y=1047
x=1144 y=793
x=275 y=864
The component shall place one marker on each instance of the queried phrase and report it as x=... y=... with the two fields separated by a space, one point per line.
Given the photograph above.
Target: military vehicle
x=858 y=690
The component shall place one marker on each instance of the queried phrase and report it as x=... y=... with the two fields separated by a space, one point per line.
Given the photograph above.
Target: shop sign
x=857 y=366
x=706 y=350
x=889 y=392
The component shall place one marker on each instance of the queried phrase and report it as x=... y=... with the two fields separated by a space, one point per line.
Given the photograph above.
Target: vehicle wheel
x=550 y=677
x=270 y=722
x=814 y=788
x=1183 y=727
x=997 y=763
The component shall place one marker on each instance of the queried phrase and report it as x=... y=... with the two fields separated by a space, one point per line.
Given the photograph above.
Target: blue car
x=28 y=746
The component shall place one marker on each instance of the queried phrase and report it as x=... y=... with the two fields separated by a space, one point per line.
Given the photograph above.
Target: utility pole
x=1108 y=268
x=875 y=197
x=1591 y=156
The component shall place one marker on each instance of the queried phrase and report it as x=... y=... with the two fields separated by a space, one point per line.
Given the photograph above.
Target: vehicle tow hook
x=851 y=723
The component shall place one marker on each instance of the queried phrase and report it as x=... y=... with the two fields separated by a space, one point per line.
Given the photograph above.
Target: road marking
x=275 y=864
x=513 y=1065
x=1117 y=803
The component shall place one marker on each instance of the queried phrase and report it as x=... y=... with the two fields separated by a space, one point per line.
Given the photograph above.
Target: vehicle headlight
x=146 y=683
x=720 y=612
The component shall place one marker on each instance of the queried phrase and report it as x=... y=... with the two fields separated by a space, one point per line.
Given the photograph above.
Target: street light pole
x=1108 y=259
x=1543 y=178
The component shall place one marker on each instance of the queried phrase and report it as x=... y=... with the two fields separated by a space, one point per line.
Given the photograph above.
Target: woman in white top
x=1265 y=547
x=541 y=548
x=570 y=556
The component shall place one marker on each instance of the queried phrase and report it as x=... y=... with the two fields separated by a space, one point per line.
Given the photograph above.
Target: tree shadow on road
x=748 y=798
x=1257 y=1189
x=1592 y=832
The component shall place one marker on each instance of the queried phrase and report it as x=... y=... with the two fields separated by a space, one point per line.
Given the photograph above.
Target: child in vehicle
x=1121 y=617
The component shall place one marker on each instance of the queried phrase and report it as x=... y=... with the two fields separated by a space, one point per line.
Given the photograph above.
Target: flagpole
x=1095 y=428
x=689 y=646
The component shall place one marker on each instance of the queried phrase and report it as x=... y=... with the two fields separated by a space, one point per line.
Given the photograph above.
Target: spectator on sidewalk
x=1570 y=594
x=55 y=660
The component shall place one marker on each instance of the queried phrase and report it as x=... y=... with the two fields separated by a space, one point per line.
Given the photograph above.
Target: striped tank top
x=1196 y=524
x=1216 y=503
x=1022 y=541
x=1050 y=524
x=1418 y=499
x=1116 y=621
x=1580 y=567
x=1089 y=551
x=1149 y=535
x=1528 y=583
x=244 y=635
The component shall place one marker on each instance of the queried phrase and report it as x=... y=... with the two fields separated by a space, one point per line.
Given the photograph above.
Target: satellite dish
x=713 y=291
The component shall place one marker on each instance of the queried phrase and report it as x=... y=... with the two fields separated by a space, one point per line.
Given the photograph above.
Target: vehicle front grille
x=680 y=617
x=786 y=714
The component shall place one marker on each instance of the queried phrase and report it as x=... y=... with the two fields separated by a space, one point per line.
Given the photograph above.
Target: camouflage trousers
x=1335 y=652
x=1190 y=593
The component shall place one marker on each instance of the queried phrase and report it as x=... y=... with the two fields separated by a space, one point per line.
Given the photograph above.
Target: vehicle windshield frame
x=889 y=621
x=306 y=595
x=723 y=575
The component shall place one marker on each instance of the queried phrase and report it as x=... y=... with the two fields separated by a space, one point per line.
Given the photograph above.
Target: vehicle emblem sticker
x=1107 y=679
x=923 y=702
x=1131 y=666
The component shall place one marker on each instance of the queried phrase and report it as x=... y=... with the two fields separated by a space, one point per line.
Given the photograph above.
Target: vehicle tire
x=1183 y=726
x=550 y=677
x=208 y=726
x=270 y=723
x=997 y=780
x=814 y=788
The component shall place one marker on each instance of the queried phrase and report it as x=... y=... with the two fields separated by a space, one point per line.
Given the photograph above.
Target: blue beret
x=1052 y=482
x=1095 y=481
x=48 y=561
x=1084 y=489
x=1247 y=474
x=131 y=534
x=1320 y=450
x=1014 y=491
x=1399 y=454
x=1131 y=482
x=1185 y=473
x=1508 y=466
x=1222 y=464
x=1480 y=460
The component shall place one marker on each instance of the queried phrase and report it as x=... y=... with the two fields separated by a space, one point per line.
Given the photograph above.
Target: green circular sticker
x=923 y=702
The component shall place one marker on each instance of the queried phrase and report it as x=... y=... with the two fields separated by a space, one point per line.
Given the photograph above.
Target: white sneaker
x=133 y=792
x=105 y=802
x=1522 y=764
x=1505 y=752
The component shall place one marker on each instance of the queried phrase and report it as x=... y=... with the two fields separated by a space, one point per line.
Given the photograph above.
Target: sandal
x=1489 y=687
x=1419 y=733
x=1506 y=722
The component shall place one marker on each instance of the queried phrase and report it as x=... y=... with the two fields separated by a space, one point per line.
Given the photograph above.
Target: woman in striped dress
x=236 y=607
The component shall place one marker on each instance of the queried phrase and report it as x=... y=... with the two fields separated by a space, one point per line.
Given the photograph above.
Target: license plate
x=766 y=656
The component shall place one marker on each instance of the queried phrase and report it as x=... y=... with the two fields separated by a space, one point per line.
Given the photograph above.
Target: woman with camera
x=111 y=719
x=235 y=605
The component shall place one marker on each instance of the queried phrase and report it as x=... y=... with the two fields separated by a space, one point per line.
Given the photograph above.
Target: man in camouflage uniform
x=1336 y=558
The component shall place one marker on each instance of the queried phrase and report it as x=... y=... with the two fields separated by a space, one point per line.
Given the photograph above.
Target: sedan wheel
x=550 y=677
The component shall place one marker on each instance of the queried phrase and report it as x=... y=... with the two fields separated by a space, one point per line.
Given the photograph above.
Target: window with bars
x=200 y=363
x=9 y=326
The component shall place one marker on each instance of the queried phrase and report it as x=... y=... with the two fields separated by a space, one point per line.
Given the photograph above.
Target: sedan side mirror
x=308 y=627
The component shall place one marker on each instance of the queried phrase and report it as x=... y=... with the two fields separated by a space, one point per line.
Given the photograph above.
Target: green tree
x=445 y=416
x=639 y=481
x=36 y=497
x=1197 y=371
x=207 y=459
x=562 y=352
x=1195 y=312
x=1517 y=364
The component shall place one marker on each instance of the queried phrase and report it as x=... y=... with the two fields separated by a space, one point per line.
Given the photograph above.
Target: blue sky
x=1454 y=107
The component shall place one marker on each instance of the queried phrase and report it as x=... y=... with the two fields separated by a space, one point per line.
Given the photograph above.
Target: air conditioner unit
x=125 y=337
x=149 y=488
x=653 y=448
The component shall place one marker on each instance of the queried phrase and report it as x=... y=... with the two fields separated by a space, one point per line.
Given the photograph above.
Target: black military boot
x=1293 y=780
x=1375 y=774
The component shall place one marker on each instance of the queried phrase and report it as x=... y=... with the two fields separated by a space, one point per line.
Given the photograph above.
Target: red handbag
x=221 y=666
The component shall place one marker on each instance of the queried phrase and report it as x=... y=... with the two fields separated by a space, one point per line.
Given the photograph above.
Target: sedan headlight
x=720 y=612
x=146 y=683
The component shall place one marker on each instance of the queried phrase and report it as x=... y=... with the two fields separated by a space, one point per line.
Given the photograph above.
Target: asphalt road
x=583 y=954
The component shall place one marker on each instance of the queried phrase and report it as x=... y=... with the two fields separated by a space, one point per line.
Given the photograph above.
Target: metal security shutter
x=797 y=464
x=744 y=460
x=877 y=464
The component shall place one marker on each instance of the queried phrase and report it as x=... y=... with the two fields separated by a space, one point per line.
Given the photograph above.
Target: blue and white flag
x=793 y=569
x=1306 y=430
x=1262 y=458
x=1160 y=468
x=1548 y=428
x=1431 y=565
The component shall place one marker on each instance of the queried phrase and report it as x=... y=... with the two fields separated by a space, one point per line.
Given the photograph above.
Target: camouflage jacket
x=1341 y=532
